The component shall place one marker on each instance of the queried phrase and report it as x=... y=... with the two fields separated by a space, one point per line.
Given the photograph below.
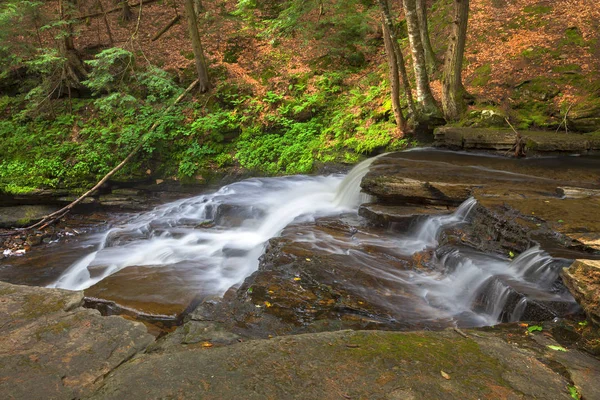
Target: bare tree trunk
x=198 y=7
x=424 y=29
x=201 y=68
x=394 y=81
x=429 y=108
x=110 y=37
x=391 y=32
x=126 y=14
x=453 y=91
x=73 y=69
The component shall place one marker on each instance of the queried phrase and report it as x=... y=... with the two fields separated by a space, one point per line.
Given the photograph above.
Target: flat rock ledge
x=500 y=139
x=50 y=347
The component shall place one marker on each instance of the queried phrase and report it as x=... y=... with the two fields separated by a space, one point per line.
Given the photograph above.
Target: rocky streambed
x=447 y=242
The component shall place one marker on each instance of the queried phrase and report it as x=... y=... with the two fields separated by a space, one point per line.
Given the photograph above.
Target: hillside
x=294 y=85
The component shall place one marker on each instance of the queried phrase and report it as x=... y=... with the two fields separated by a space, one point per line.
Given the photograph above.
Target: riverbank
x=50 y=347
x=282 y=332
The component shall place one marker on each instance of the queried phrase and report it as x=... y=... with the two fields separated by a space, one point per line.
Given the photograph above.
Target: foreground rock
x=361 y=364
x=50 y=347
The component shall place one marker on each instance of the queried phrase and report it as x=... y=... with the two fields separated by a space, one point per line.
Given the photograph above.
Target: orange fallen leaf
x=207 y=344
x=445 y=375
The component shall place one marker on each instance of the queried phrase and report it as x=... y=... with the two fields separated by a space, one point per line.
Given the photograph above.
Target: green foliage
x=534 y=328
x=109 y=70
x=574 y=392
x=158 y=84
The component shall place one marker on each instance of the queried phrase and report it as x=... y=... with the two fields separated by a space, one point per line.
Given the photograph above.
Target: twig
x=518 y=146
x=565 y=120
x=55 y=216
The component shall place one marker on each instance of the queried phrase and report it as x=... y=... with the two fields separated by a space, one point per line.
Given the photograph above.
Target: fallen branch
x=519 y=146
x=565 y=120
x=55 y=216
x=166 y=28
x=112 y=10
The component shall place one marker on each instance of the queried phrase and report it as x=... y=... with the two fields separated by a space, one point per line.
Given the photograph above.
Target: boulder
x=50 y=347
x=583 y=280
x=19 y=216
x=585 y=118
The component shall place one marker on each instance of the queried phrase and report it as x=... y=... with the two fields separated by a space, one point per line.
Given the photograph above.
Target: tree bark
x=73 y=70
x=424 y=29
x=201 y=68
x=126 y=14
x=453 y=92
x=198 y=7
x=108 y=31
x=394 y=81
x=428 y=107
x=391 y=32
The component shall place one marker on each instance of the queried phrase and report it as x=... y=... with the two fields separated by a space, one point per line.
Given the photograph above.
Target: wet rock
x=160 y=291
x=583 y=280
x=399 y=189
x=20 y=216
x=126 y=202
x=52 y=348
x=401 y=217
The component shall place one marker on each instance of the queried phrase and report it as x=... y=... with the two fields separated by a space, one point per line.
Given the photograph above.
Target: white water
x=220 y=237
x=226 y=253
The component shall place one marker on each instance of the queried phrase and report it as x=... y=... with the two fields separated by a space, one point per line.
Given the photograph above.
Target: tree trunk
x=126 y=14
x=394 y=81
x=73 y=71
x=198 y=7
x=429 y=108
x=453 y=92
x=391 y=32
x=424 y=29
x=201 y=69
x=108 y=31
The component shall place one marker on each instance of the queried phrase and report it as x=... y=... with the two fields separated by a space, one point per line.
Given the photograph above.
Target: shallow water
x=205 y=245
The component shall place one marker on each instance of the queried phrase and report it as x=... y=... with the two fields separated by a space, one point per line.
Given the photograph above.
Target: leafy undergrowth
x=319 y=118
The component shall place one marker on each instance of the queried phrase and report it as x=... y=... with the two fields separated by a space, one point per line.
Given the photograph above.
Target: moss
x=457 y=357
x=537 y=9
x=38 y=304
x=573 y=36
x=482 y=75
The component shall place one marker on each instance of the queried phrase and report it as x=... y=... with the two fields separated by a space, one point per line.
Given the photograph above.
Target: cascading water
x=219 y=238
x=244 y=214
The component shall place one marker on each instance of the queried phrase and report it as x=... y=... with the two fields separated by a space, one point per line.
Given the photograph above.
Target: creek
x=162 y=262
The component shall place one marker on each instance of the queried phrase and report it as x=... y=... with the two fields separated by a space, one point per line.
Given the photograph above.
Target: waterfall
x=225 y=253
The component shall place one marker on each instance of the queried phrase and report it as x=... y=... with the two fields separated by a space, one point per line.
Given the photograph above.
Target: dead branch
x=519 y=146
x=57 y=215
x=166 y=28
x=565 y=120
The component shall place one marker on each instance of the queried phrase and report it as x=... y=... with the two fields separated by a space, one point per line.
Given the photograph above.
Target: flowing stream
x=218 y=239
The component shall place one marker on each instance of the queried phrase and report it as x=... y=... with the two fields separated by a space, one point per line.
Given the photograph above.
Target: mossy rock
x=585 y=116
